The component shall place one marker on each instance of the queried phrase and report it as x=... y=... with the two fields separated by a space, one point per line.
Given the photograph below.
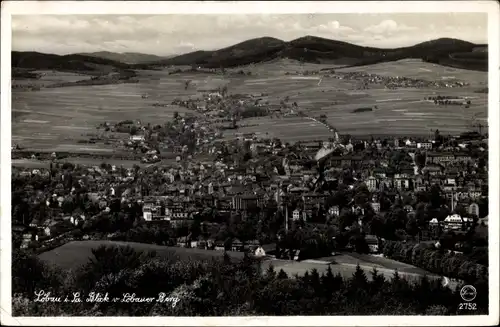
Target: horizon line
x=215 y=49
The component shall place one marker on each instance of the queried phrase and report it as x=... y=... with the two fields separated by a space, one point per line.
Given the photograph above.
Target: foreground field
x=77 y=253
x=54 y=119
x=345 y=270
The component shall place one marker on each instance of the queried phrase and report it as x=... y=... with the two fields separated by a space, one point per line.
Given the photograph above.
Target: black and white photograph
x=234 y=160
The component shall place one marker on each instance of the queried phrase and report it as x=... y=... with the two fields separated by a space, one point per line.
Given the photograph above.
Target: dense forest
x=222 y=288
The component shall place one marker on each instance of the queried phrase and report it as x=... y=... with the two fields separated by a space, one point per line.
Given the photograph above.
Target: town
x=251 y=165
x=258 y=194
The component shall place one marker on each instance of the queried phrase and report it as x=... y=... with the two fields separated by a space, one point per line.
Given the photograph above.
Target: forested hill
x=446 y=51
x=72 y=62
x=126 y=57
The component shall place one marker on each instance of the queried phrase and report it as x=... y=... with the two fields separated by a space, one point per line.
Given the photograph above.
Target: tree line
x=222 y=287
x=439 y=261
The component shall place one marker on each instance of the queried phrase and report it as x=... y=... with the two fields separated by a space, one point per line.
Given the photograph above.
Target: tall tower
x=286 y=218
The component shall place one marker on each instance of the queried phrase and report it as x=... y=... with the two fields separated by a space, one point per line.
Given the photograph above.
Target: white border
x=146 y=7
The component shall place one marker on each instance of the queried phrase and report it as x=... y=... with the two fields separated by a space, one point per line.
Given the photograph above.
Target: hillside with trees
x=72 y=62
x=221 y=288
x=125 y=57
x=317 y=50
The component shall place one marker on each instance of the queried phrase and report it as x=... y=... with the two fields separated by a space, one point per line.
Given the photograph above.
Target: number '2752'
x=467 y=306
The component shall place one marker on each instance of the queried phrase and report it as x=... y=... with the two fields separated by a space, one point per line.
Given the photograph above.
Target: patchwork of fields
x=54 y=119
x=288 y=129
x=415 y=68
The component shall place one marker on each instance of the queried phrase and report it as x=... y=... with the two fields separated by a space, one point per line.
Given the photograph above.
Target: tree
x=436 y=198
x=412 y=227
x=360 y=244
x=328 y=281
x=378 y=281
x=437 y=136
x=226 y=258
x=359 y=278
x=270 y=272
x=133 y=130
x=315 y=281
x=420 y=160
x=282 y=274
x=30 y=274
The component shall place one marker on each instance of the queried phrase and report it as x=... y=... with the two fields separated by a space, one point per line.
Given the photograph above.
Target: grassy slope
x=74 y=254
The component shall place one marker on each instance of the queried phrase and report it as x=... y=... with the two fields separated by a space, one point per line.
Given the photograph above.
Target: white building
x=371 y=183
x=474 y=209
x=376 y=206
x=334 y=211
x=455 y=222
x=137 y=138
x=259 y=252
x=424 y=145
x=433 y=222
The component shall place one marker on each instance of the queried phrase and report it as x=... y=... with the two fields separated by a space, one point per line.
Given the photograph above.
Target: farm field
x=278 y=66
x=288 y=129
x=77 y=253
x=55 y=119
x=415 y=68
x=37 y=164
x=51 y=77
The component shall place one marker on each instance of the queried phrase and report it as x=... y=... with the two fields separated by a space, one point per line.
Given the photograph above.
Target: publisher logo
x=468 y=293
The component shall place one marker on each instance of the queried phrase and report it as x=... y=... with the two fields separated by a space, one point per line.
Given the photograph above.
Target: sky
x=180 y=33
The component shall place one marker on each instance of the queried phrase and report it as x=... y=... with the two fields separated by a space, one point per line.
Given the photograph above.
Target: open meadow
x=55 y=119
x=74 y=254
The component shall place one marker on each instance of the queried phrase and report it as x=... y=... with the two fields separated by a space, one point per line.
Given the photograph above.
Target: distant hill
x=72 y=62
x=126 y=57
x=254 y=50
x=444 y=51
x=314 y=49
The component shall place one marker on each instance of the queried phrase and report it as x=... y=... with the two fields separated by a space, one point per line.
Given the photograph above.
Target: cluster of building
x=394 y=82
x=289 y=177
x=284 y=177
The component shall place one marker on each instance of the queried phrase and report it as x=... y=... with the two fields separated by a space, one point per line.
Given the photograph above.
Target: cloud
x=334 y=27
x=388 y=26
x=174 y=34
